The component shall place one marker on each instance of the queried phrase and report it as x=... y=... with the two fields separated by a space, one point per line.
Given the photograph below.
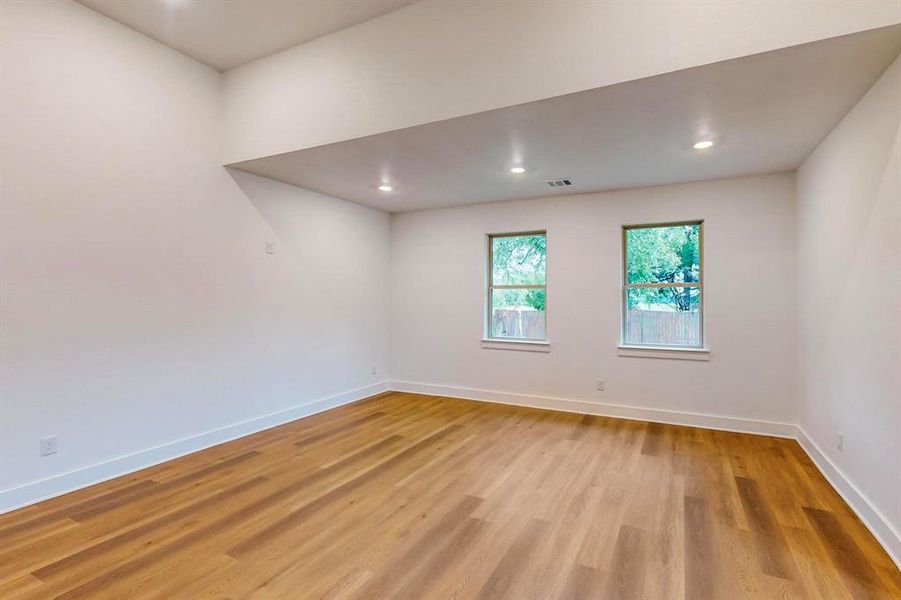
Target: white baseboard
x=655 y=415
x=64 y=483
x=878 y=525
x=871 y=516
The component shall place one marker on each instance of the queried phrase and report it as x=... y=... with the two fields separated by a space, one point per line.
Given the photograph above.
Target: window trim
x=521 y=344
x=517 y=342
x=654 y=349
x=671 y=352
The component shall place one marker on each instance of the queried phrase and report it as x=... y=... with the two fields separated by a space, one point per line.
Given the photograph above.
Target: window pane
x=663 y=254
x=518 y=314
x=518 y=260
x=663 y=316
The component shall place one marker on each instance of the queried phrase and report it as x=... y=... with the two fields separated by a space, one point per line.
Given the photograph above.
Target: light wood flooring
x=406 y=496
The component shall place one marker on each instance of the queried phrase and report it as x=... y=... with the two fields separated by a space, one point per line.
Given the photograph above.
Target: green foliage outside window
x=663 y=255
x=519 y=260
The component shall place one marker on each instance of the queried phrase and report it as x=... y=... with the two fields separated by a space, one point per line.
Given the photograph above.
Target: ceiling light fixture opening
x=703 y=144
x=385 y=188
x=517 y=170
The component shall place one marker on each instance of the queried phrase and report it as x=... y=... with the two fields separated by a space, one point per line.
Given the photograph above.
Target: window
x=663 y=285
x=516 y=286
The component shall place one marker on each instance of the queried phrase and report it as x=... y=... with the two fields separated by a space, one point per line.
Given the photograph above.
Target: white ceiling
x=228 y=33
x=767 y=112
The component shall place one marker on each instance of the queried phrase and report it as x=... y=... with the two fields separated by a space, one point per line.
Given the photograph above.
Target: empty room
x=450 y=299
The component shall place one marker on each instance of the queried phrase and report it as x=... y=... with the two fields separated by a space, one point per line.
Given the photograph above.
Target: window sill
x=664 y=352
x=520 y=345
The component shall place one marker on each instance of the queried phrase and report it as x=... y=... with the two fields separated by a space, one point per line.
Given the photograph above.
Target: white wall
x=849 y=252
x=438 y=263
x=440 y=59
x=139 y=306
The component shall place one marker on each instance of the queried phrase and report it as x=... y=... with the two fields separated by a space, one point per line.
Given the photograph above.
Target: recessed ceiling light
x=518 y=170
x=702 y=145
x=385 y=188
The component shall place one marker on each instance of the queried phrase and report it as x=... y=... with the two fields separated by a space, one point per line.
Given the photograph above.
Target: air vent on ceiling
x=559 y=182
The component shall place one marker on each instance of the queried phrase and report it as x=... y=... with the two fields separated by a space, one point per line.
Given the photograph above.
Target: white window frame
x=511 y=343
x=699 y=352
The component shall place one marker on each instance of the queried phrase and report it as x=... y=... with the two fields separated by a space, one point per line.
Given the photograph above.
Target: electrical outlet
x=48 y=445
x=600 y=385
x=840 y=441
x=270 y=248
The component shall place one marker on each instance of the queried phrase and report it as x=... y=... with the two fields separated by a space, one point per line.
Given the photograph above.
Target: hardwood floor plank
x=449 y=552
x=428 y=558
x=101 y=508
x=81 y=558
x=334 y=431
x=773 y=552
x=283 y=524
x=21 y=586
x=653 y=439
x=667 y=557
x=583 y=582
x=8 y=532
x=701 y=560
x=405 y=566
x=857 y=573
x=821 y=579
x=409 y=496
x=321 y=548
x=135 y=564
x=630 y=559
x=514 y=562
x=583 y=427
